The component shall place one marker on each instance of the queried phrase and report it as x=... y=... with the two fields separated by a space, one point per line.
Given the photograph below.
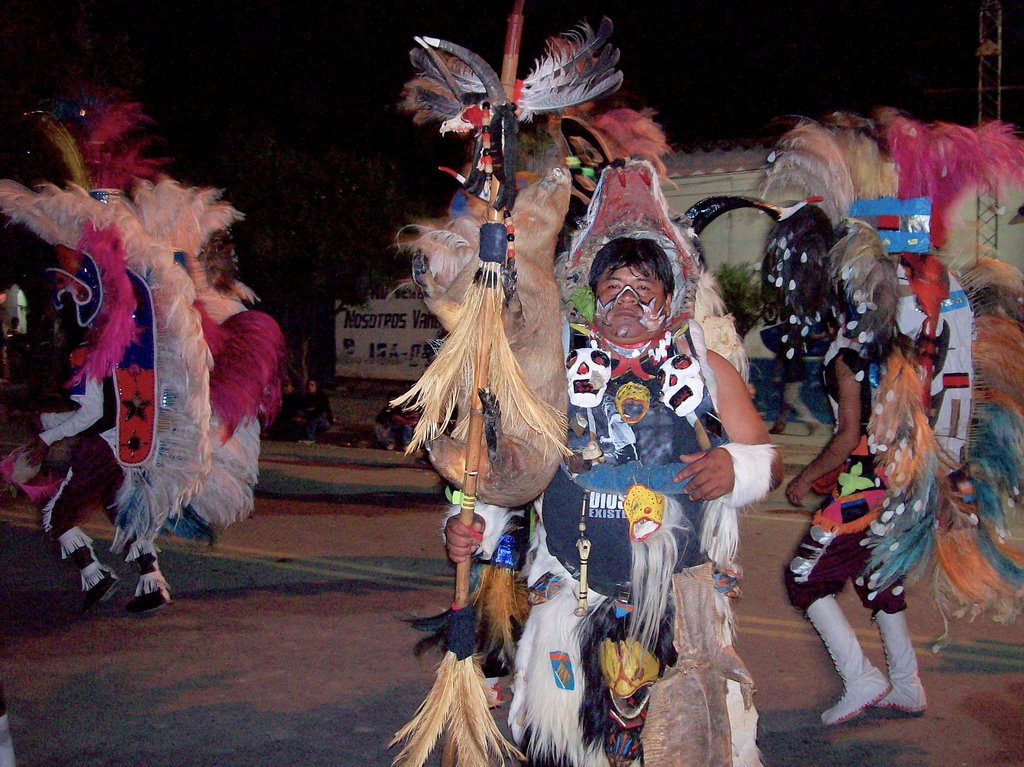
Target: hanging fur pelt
x=526 y=429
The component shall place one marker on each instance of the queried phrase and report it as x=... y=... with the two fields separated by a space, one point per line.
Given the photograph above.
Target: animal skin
x=514 y=469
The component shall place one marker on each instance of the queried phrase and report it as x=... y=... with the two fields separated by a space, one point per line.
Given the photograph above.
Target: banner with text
x=385 y=338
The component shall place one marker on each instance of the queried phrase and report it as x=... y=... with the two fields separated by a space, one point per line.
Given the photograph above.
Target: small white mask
x=589 y=371
x=682 y=386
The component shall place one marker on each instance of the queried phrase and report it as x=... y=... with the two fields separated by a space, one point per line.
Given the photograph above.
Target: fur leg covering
x=74 y=540
x=545 y=712
x=688 y=719
x=752 y=465
x=151 y=579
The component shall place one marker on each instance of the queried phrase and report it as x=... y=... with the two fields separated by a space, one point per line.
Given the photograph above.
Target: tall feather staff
x=477 y=347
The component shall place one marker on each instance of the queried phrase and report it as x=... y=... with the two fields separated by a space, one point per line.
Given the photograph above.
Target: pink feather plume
x=945 y=162
x=116 y=143
x=248 y=365
x=111 y=332
x=631 y=133
x=19 y=471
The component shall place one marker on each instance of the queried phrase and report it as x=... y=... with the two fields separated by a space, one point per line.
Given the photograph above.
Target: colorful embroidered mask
x=645 y=510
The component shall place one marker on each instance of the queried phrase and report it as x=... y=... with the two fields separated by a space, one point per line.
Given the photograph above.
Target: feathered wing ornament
x=904 y=446
x=869 y=280
x=809 y=161
x=246 y=347
x=577 y=66
x=796 y=264
x=980 y=572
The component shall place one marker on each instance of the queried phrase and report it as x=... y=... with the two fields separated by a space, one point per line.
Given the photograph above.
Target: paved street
x=285 y=645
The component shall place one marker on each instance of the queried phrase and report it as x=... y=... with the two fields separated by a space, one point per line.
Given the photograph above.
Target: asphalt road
x=285 y=648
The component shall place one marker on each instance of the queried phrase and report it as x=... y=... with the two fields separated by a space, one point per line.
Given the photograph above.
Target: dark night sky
x=319 y=73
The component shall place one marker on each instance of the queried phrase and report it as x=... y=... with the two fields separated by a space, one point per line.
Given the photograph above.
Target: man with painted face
x=661 y=430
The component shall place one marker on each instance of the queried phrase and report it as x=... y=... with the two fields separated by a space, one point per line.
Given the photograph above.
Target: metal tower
x=990 y=107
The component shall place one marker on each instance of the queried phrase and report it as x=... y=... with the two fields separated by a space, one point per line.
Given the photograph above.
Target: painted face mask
x=652 y=315
x=589 y=371
x=682 y=386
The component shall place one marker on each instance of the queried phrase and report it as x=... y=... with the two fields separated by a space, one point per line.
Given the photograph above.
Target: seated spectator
x=287 y=426
x=315 y=416
x=394 y=427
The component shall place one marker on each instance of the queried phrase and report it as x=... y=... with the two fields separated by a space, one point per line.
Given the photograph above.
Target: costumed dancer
x=627 y=649
x=142 y=376
x=246 y=345
x=899 y=373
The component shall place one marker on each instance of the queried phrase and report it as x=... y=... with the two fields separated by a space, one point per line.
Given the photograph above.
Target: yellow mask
x=632 y=401
x=627 y=666
x=645 y=510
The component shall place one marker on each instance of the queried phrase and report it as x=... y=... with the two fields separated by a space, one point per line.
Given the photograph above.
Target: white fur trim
x=93 y=573
x=150 y=582
x=552 y=714
x=752 y=467
x=495 y=521
x=47 y=512
x=139 y=548
x=72 y=541
x=743 y=723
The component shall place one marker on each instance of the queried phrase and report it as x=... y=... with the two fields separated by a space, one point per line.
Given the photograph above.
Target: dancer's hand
x=461 y=541
x=712 y=473
x=797 y=488
x=37 y=452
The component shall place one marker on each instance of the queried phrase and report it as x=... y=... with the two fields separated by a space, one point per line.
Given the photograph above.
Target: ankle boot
x=907 y=692
x=152 y=593
x=98 y=581
x=863 y=684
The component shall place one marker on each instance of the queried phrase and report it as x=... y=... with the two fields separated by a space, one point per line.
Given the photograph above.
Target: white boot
x=863 y=684
x=907 y=692
x=6 y=743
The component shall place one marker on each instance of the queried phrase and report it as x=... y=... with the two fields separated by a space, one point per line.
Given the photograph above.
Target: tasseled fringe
x=72 y=541
x=151 y=582
x=501 y=608
x=138 y=548
x=47 y=511
x=458 y=702
x=92 y=574
x=436 y=394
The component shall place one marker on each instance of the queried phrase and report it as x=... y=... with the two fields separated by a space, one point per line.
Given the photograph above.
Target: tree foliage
x=746 y=296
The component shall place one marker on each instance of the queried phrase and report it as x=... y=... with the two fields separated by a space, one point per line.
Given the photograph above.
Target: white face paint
x=682 y=386
x=589 y=371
